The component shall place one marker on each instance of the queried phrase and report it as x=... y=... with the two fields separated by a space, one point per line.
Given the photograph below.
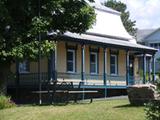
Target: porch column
x=127 y=67
x=105 y=70
x=83 y=63
x=144 y=68
x=17 y=80
x=149 y=69
x=53 y=65
x=104 y=65
x=153 y=68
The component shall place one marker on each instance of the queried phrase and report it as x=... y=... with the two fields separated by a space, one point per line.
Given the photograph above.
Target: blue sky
x=145 y=12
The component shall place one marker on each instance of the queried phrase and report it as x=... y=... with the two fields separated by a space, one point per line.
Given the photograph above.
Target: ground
x=98 y=110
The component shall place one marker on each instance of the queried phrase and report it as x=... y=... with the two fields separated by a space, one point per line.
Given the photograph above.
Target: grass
x=98 y=110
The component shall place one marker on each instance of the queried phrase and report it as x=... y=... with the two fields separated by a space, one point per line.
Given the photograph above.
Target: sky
x=145 y=12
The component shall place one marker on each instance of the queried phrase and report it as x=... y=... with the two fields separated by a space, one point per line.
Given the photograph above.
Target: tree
x=22 y=21
x=121 y=7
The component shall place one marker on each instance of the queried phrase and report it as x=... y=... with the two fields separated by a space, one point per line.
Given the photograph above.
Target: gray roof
x=114 y=42
x=142 y=33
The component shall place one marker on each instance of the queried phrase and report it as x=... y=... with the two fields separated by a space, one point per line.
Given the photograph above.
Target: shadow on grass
x=128 y=106
x=56 y=104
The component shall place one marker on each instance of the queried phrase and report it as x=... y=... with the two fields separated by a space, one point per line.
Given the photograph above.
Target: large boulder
x=140 y=94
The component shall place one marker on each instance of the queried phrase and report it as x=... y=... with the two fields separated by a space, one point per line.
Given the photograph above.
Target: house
x=151 y=37
x=105 y=57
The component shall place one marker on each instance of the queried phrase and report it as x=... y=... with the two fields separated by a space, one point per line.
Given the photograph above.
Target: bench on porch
x=66 y=89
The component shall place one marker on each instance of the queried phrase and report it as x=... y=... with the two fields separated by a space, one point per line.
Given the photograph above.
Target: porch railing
x=27 y=79
x=90 y=79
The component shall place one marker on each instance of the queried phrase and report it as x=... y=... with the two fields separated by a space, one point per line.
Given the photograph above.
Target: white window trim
x=96 y=63
x=73 y=51
x=116 y=65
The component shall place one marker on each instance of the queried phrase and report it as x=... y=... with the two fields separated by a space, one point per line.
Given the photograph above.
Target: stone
x=140 y=94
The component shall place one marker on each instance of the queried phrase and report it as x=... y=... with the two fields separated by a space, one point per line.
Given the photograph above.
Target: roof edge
x=150 y=34
x=107 y=36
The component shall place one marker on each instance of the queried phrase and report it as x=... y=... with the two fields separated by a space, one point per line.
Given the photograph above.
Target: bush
x=5 y=102
x=153 y=110
x=153 y=107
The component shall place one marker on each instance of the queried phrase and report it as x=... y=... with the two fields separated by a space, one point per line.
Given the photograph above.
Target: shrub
x=153 y=107
x=5 y=102
x=153 y=110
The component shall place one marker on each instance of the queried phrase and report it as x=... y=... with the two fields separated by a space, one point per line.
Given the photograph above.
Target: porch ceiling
x=105 y=41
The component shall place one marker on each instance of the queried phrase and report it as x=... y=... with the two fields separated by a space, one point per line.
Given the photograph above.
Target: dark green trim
x=82 y=62
x=104 y=68
x=49 y=68
x=114 y=52
x=94 y=49
x=153 y=68
x=144 y=68
x=127 y=67
x=72 y=47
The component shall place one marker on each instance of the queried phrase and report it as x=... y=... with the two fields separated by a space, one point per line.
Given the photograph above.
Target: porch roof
x=106 y=41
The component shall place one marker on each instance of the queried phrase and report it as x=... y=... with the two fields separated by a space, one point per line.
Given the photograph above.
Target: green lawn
x=98 y=110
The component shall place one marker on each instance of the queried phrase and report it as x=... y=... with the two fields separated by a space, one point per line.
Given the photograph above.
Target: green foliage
x=153 y=110
x=31 y=50
x=22 y=21
x=5 y=102
x=153 y=107
x=121 y=7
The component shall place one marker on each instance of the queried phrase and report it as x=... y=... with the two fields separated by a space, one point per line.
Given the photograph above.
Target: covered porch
x=98 y=62
x=102 y=61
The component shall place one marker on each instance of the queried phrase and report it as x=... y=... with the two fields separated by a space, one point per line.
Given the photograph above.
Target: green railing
x=93 y=79
x=27 y=79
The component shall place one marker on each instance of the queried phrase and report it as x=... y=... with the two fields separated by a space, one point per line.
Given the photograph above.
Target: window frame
x=96 y=62
x=26 y=69
x=115 y=65
x=74 y=60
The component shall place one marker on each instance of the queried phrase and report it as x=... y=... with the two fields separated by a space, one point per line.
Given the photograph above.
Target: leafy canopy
x=21 y=21
x=121 y=7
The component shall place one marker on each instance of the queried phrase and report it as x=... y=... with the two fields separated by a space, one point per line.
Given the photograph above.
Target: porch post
x=83 y=63
x=104 y=65
x=53 y=69
x=105 y=69
x=144 y=68
x=127 y=67
x=153 y=68
x=17 y=80
x=149 y=69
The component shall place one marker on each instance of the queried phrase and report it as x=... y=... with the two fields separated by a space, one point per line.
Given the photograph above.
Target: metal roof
x=108 y=42
x=108 y=22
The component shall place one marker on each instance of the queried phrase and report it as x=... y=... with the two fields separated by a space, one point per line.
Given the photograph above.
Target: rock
x=140 y=94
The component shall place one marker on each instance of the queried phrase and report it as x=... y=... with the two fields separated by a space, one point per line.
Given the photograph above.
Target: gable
x=153 y=37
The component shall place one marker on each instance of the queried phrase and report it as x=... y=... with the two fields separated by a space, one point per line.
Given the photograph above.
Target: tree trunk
x=4 y=72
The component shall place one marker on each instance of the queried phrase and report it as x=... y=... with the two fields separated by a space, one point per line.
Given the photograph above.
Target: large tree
x=22 y=21
x=121 y=7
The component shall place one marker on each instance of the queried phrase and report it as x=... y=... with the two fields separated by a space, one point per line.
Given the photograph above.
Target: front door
x=131 y=69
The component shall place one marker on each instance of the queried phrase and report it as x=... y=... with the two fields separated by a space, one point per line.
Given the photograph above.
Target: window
x=70 y=61
x=93 y=63
x=151 y=45
x=155 y=45
x=113 y=65
x=24 y=66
